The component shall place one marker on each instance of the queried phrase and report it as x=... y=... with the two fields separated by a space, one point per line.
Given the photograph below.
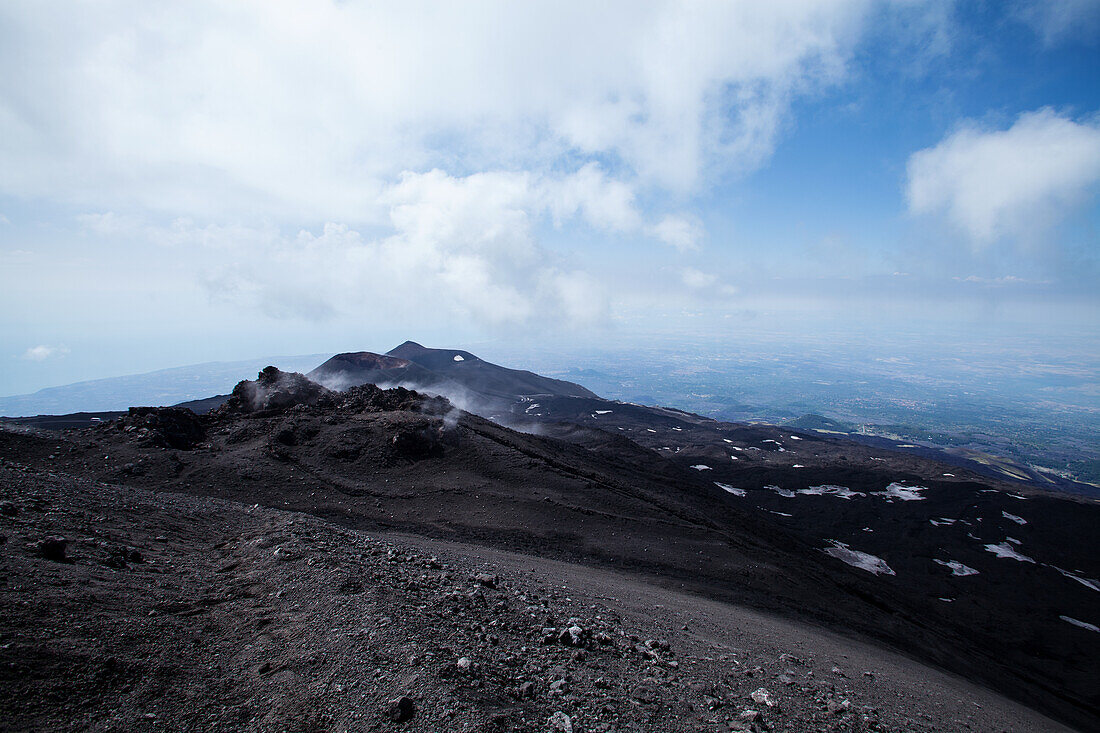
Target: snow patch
x=857 y=559
x=1006 y=550
x=1014 y=518
x=785 y=493
x=904 y=493
x=1082 y=624
x=1092 y=584
x=829 y=490
x=798 y=465
x=458 y=357
x=701 y=467
x=603 y=412
x=732 y=490
x=942 y=522
x=957 y=568
x=794 y=437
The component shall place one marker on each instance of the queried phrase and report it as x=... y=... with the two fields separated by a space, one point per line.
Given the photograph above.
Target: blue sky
x=220 y=182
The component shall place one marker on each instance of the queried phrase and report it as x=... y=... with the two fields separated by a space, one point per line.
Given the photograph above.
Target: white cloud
x=679 y=232
x=308 y=110
x=462 y=247
x=43 y=352
x=1060 y=20
x=1007 y=183
x=696 y=279
x=1003 y=280
x=705 y=283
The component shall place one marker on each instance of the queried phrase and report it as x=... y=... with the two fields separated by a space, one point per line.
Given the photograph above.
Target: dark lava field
x=301 y=558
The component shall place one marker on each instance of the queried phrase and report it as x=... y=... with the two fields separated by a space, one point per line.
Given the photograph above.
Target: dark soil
x=612 y=491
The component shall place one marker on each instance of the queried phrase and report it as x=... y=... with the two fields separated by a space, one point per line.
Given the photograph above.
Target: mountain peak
x=409 y=347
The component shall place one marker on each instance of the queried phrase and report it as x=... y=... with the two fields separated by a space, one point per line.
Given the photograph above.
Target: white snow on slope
x=732 y=490
x=957 y=568
x=701 y=467
x=1082 y=624
x=1092 y=584
x=857 y=559
x=785 y=493
x=1013 y=517
x=458 y=357
x=603 y=412
x=941 y=522
x=1008 y=551
x=904 y=493
x=829 y=490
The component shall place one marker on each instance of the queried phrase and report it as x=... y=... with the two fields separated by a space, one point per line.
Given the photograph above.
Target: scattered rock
x=763 y=697
x=52 y=548
x=559 y=722
x=646 y=692
x=489 y=581
x=401 y=709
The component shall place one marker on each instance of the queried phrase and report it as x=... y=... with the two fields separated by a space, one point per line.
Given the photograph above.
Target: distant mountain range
x=161 y=387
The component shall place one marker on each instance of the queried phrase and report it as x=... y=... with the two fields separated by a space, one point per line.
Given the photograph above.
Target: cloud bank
x=1018 y=182
x=309 y=109
x=438 y=141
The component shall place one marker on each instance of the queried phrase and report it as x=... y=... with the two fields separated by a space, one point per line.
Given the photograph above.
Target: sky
x=188 y=182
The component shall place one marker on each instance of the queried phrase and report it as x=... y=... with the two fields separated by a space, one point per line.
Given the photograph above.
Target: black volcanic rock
x=365 y=367
x=167 y=427
x=275 y=390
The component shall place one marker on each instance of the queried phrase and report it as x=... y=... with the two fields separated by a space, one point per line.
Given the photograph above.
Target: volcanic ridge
x=352 y=550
